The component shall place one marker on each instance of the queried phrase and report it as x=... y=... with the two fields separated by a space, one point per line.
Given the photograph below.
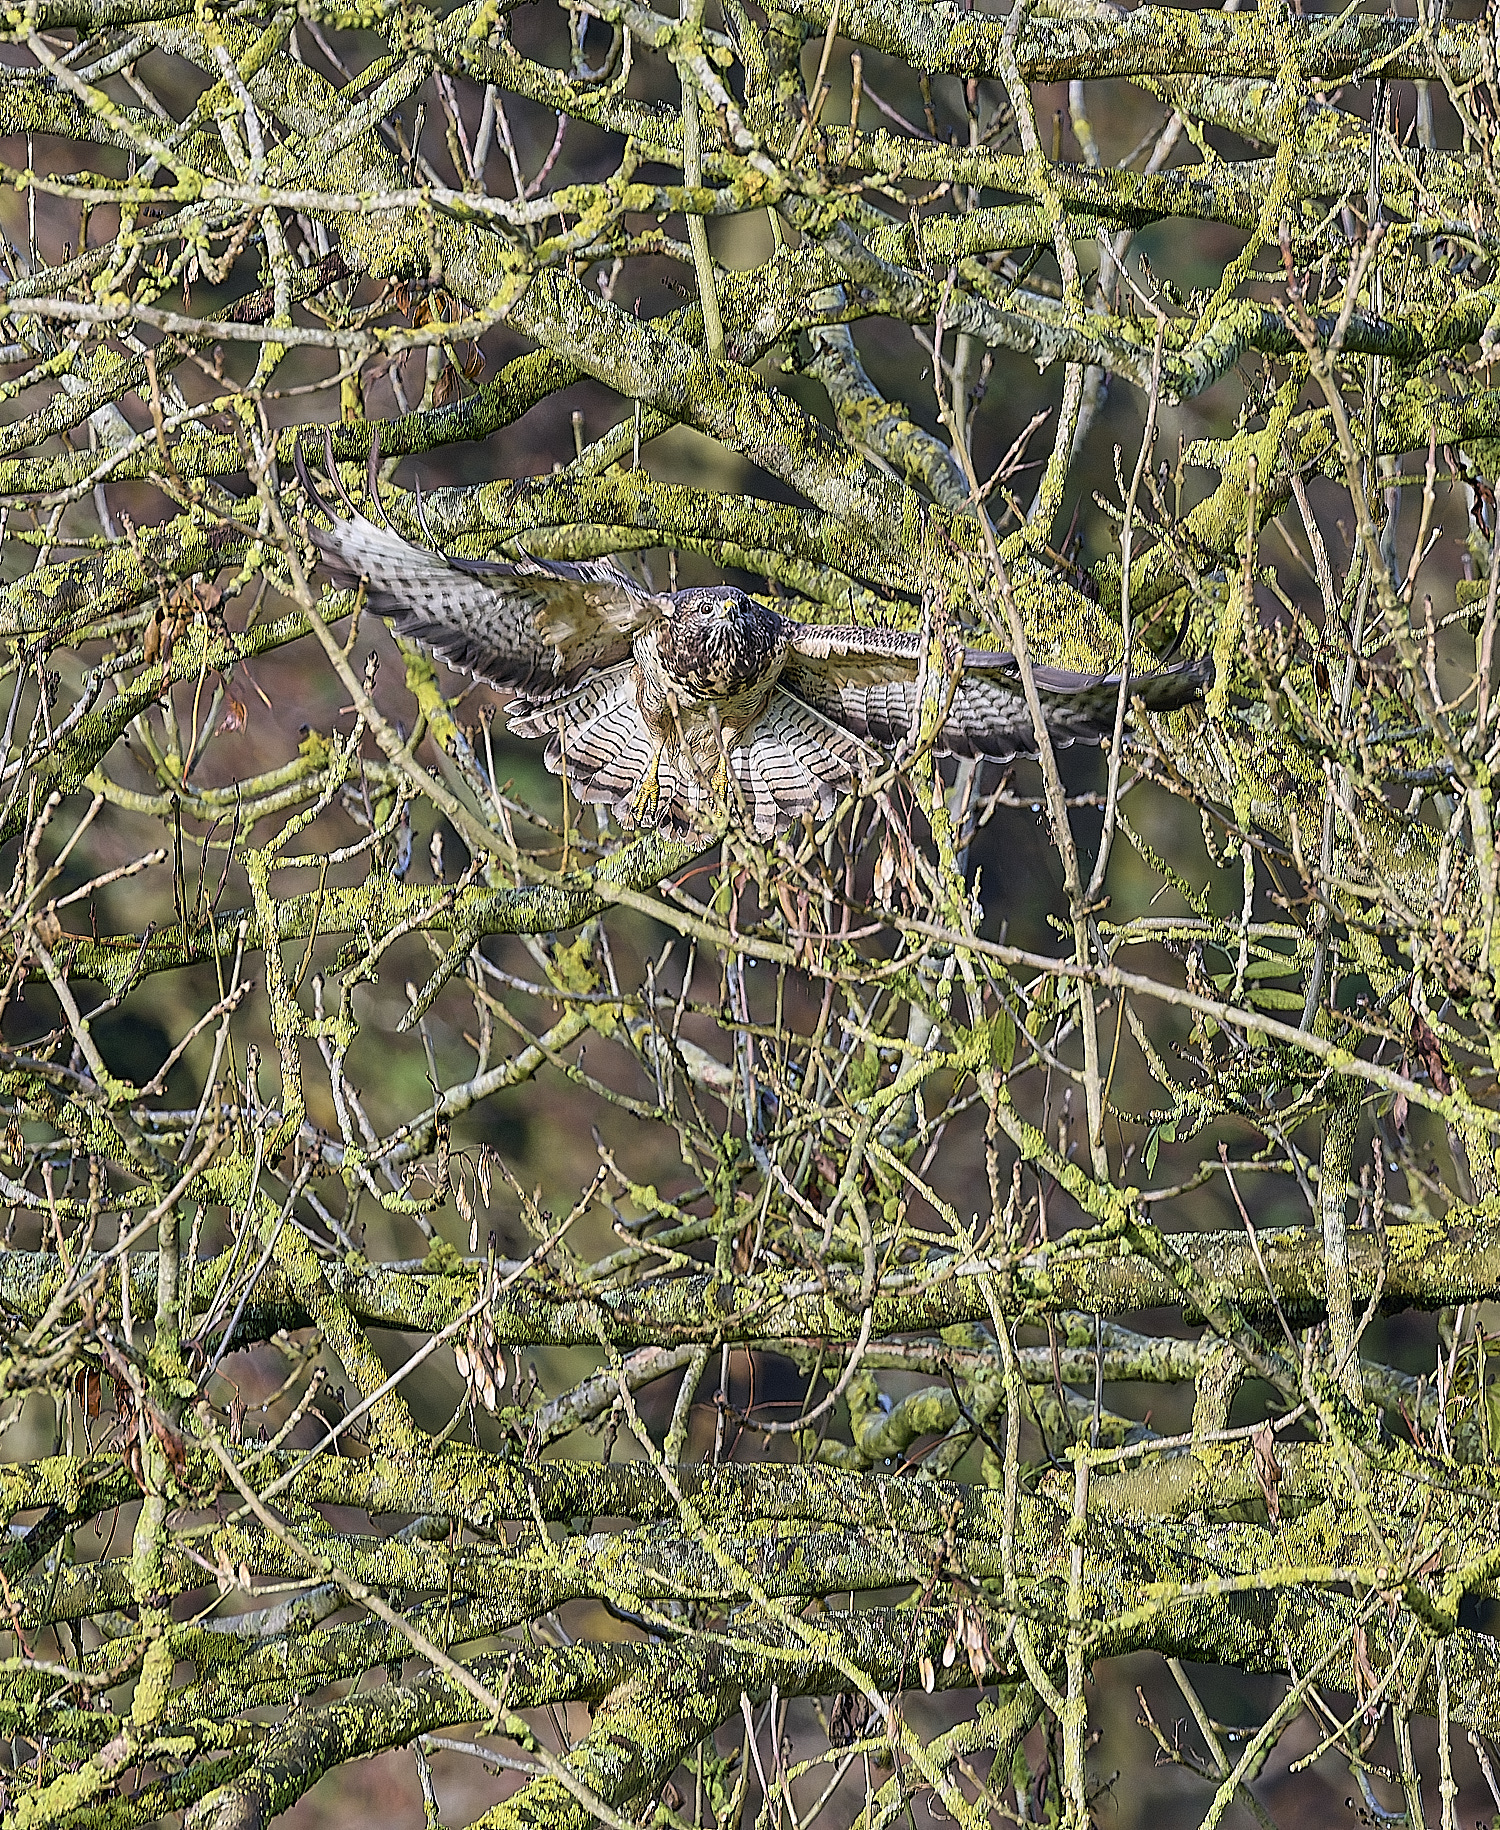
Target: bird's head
x=718 y=609
x=718 y=641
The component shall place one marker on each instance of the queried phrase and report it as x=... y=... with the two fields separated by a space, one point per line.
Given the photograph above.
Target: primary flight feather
x=671 y=706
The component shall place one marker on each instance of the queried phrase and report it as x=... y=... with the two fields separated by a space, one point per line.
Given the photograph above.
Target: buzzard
x=676 y=707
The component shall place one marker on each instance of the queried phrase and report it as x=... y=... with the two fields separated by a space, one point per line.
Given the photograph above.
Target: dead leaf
x=89 y=1387
x=1267 y=1469
x=885 y=874
x=169 y=1440
x=1429 y=1052
x=846 y=1719
x=1429 y=1565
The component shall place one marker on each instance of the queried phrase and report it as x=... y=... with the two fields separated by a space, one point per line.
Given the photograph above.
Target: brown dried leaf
x=885 y=874
x=1267 y=1469
x=846 y=1719
x=1429 y=1052
x=169 y=1439
x=1430 y=1563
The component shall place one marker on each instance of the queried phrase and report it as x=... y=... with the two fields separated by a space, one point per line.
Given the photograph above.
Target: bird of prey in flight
x=675 y=708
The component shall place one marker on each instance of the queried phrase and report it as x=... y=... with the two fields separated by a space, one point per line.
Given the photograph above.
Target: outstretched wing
x=526 y=624
x=851 y=648
x=866 y=680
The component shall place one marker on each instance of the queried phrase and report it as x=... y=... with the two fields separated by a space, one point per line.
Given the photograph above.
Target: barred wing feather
x=526 y=624
x=866 y=680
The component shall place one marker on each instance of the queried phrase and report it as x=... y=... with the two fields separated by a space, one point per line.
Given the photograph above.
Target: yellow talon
x=647 y=798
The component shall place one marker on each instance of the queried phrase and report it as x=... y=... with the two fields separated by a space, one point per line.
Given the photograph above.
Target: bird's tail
x=599 y=742
x=792 y=761
x=795 y=761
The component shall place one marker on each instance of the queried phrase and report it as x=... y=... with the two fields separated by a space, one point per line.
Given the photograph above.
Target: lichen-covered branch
x=597 y=1320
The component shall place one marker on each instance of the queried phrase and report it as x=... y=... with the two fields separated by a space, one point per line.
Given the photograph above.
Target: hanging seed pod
x=479 y=1356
